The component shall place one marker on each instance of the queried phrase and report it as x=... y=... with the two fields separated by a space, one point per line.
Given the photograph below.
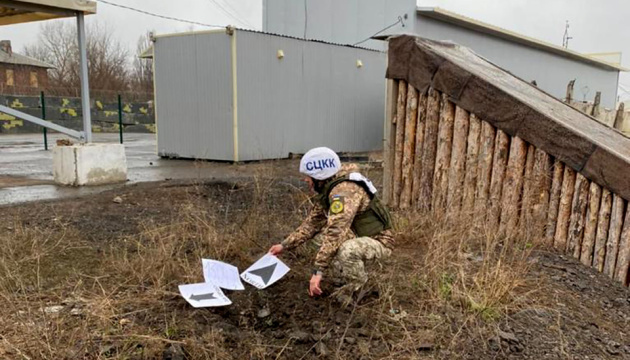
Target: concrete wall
x=137 y=116
x=338 y=21
x=551 y=72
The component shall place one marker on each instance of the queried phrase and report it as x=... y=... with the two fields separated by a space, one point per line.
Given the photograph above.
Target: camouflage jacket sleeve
x=310 y=226
x=339 y=225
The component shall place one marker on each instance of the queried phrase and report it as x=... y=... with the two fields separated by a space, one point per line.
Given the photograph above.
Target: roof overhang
x=16 y=12
x=472 y=24
x=147 y=53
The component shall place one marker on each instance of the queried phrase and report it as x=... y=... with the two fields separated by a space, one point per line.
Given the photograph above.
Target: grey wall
x=193 y=79
x=315 y=96
x=338 y=21
x=349 y=21
x=551 y=72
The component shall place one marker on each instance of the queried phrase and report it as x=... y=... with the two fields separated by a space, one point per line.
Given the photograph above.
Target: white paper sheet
x=204 y=295
x=221 y=274
x=264 y=272
x=358 y=177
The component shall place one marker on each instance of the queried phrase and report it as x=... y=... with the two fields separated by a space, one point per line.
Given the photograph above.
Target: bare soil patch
x=90 y=278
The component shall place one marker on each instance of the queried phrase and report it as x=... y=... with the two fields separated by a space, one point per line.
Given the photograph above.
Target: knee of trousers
x=346 y=252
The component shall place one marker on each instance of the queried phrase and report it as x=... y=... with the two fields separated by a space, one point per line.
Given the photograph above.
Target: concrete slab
x=89 y=164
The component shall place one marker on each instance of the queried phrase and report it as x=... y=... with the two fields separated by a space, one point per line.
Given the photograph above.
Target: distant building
x=351 y=21
x=19 y=73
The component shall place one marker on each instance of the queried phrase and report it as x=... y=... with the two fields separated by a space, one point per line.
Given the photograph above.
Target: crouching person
x=351 y=224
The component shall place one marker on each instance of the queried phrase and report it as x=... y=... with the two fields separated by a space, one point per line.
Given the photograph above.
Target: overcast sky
x=596 y=26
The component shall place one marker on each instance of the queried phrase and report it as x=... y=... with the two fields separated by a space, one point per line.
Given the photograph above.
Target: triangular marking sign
x=265 y=273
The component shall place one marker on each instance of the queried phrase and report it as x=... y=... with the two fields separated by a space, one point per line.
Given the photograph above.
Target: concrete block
x=89 y=164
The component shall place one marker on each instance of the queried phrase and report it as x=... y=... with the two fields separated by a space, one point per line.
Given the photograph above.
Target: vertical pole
x=85 y=88
x=120 y=117
x=232 y=32
x=43 y=101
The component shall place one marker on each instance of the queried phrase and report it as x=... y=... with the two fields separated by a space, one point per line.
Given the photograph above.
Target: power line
x=229 y=14
x=305 y=17
x=236 y=12
x=400 y=20
x=159 y=16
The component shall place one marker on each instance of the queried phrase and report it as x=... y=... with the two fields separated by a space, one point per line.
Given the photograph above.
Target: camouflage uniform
x=340 y=246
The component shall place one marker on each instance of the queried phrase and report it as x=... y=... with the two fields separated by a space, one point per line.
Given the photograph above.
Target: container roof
x=469 y=23
x=16 y=12
x=148 y=53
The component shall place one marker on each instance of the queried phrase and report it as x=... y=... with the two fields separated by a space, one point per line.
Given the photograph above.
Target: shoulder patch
x=336 y=205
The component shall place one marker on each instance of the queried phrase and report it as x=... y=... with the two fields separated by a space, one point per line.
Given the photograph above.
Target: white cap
x=320 y=163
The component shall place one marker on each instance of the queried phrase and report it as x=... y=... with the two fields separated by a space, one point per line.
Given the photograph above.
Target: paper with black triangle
x=264 y=272
x=204 y=295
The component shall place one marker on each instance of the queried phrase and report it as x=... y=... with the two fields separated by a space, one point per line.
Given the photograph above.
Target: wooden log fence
x=444 y=160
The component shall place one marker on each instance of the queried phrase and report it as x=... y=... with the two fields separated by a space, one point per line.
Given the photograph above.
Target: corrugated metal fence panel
x=269 y=92
x=370 y=109
x=194 y=96
x=214 y=76
x=315 y=96
x=175 y=99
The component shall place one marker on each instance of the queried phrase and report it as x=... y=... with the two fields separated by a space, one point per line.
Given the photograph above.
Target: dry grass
x=119 y=301
x=454 y=289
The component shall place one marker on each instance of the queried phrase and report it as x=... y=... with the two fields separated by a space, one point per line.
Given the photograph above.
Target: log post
x=619 y=117
x=569 y=98
x=417 y=164
x=603 y=224
x=499 y=163
x=409 y=151
x=390 y=138
x=443 y=156
x=400 y=138
x=623 y=258
x=529 y=191
x=484 y=172
x=471 y=168
x=457 y=168
x=543 y=179
x=614 y=233
x=564 y=210
x=578 y=213
x=596 y=102
x=554 y=201
x=429 y=149
x=590 y=228
x=512 y=187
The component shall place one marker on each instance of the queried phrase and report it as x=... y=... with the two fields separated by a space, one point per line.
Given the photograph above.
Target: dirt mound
x=93 y=278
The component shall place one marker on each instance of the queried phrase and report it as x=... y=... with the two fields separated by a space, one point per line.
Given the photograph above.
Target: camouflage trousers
x=348 y=265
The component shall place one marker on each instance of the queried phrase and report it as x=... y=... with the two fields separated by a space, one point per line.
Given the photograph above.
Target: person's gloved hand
x=276 y=249
x=314 y=289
